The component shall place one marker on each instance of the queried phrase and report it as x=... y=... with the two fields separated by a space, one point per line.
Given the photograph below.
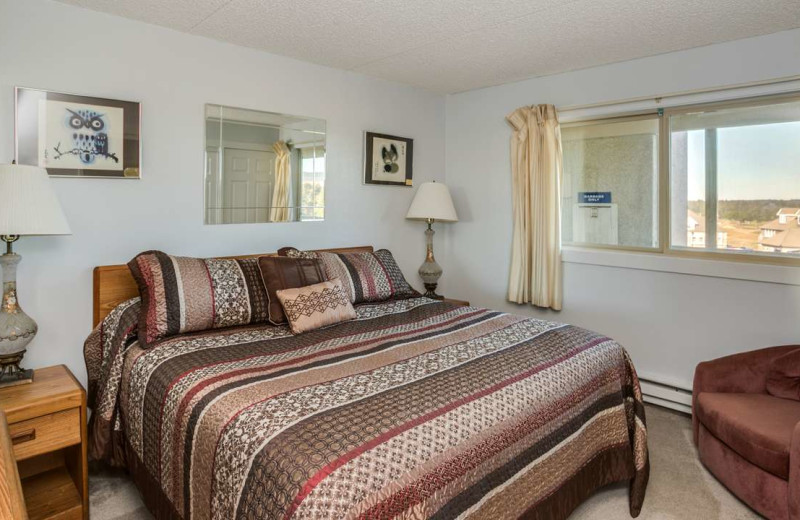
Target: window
x=610 y=183
x=735 y=175
x=730 y=174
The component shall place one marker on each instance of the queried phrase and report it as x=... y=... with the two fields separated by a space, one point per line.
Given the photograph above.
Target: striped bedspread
x=416 y=409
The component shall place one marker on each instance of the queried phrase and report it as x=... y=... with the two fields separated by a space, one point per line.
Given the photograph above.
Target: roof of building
x=777 y=226
x=787 y=236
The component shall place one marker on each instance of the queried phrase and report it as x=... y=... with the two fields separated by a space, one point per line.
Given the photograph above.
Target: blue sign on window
x=594 y=197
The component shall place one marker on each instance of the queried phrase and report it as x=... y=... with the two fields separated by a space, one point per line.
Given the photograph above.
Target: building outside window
x=782 y=234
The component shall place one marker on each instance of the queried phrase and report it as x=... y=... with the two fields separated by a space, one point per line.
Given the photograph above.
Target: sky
x=753 y=162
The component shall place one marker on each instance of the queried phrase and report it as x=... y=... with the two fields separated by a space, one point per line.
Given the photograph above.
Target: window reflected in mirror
x=263 y=167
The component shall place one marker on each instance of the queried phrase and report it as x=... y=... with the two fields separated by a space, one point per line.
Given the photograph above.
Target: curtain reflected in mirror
x=263 y=167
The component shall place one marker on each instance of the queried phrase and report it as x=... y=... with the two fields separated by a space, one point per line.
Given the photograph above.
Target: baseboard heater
x=666 y=395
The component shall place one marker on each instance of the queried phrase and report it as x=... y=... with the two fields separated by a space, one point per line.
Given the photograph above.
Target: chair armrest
x=794 y=475
x=739 y=373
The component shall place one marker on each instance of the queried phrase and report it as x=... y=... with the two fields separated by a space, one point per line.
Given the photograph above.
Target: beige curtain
x=283 y=176
x=536 y=183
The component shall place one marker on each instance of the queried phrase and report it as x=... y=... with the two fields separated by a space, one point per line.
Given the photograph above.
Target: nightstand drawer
x=46 y=433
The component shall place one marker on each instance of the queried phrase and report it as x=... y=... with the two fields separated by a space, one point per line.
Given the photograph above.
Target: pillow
x=314 y=306
x=280 y=272
x=783 y=376
x=181 y=294
x=103 y=350
x=366 y=277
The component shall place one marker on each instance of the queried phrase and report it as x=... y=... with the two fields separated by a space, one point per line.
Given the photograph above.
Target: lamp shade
x=28 y=203
x=432 y=201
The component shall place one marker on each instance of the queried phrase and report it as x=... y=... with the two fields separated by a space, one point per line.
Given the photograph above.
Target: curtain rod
x=660 y=98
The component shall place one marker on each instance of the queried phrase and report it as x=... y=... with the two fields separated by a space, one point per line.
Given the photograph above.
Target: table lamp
x=432 y=202
x=28 y=206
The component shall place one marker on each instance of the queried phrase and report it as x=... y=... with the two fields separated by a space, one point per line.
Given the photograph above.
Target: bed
x=415 y=409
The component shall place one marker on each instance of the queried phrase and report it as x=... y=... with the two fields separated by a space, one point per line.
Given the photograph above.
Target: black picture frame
x=27 y=132
x=403 y=158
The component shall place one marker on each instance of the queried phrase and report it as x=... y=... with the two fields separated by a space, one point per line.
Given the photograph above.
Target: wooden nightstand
x=462 y=303
x=47 y=423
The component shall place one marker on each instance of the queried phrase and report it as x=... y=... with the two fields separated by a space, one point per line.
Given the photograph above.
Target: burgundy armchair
x=746 y=436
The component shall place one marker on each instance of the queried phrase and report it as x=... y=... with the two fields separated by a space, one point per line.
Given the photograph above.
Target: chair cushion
x=783 y=376
x=756 y=426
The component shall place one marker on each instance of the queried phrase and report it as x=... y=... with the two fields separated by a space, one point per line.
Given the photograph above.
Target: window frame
x=626 y=118
x=664 y=216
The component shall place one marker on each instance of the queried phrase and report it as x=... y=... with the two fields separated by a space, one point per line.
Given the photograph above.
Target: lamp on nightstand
x=432 y=202
x=28 y=206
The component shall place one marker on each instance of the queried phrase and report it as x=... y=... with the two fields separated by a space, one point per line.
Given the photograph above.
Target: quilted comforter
x=416 y=409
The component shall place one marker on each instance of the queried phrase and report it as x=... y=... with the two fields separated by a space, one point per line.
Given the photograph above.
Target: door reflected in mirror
x=263 y=167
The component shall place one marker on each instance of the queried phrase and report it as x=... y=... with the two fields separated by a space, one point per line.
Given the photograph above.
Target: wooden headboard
x=113 y=284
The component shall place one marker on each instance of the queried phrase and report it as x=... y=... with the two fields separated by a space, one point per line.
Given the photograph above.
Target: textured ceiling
x=456 y=45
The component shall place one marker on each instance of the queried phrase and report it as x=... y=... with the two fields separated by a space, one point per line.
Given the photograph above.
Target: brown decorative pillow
x=783 y=376
x=314 y=306
x=181 y=294
x=366 y=277
x=280 y=272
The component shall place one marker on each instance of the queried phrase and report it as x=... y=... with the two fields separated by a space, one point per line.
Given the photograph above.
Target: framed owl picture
x=388 y=159
x=78 y=136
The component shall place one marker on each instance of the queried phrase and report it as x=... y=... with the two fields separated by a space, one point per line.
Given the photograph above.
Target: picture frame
x=388 y=159
x=72 y=135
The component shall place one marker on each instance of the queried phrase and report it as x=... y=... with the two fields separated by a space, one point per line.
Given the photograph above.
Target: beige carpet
x=680 y=488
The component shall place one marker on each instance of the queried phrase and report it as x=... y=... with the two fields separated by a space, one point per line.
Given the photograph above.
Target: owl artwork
x=82 y=136
x=89 y=140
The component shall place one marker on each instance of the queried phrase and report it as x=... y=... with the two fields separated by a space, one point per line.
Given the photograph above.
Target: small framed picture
x=388 y=159
x=78 y=136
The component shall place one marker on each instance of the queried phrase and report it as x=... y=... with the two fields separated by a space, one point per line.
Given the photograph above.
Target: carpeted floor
x=680 y=488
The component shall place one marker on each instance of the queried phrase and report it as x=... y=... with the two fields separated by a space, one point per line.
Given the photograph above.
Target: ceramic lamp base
x=17 y=329
x=430 y=271
x=10 y=372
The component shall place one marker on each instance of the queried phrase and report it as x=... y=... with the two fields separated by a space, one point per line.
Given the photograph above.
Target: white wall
x=52 y=46
x=667 y=321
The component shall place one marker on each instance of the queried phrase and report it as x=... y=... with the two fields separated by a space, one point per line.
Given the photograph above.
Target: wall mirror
x=263 y=167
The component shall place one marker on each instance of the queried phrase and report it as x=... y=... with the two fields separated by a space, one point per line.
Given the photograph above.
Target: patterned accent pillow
x=366 y=277
x=280 y=272
x=181 y=294
x=314 y=306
